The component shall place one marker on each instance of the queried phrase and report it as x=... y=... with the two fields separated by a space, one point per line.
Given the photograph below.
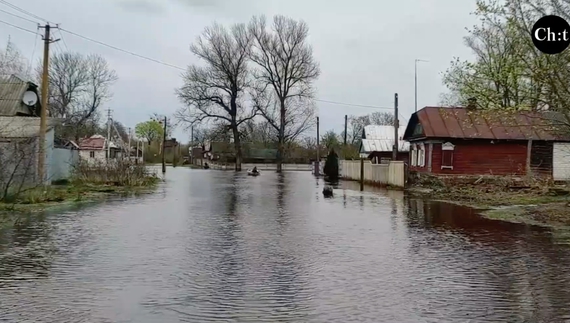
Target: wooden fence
x=392 y=174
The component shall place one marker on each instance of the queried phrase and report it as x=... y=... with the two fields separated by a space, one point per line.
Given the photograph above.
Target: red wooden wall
x=474 y=157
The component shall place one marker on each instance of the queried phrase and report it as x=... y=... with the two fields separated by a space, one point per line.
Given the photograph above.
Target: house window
x=421 y=155
x=413 y=155
x=447 y=155
x=418 y=130
x=92 y=154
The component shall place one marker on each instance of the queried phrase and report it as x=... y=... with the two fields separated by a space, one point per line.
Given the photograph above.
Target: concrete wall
x=62 y=163
x=18 y=162
x=381 y=174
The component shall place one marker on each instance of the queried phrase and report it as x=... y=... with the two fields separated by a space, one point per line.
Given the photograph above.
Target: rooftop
x=381 y=138
x=12 y=89
x=460 y=122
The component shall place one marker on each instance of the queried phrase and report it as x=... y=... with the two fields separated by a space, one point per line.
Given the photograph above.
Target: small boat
x=206 y=166
x=252 y=173
x=328 y=191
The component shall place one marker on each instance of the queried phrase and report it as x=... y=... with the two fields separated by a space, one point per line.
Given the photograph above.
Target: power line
x=146 y=57
x=33 y=52
x=122 y=50
x=354 y=105
x=17 y=16
x=18 y=27
x=22 y=10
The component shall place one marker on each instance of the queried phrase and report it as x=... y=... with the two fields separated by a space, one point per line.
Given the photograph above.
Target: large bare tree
x=216 y=91
x=285 y=67
x=78 y=86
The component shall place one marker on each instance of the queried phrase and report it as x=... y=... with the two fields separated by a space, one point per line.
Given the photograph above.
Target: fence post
x=361 y=174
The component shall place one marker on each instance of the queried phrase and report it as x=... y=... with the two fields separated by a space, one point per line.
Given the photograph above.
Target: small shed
x=471 y=141
x=378 y=142
x=95 y=148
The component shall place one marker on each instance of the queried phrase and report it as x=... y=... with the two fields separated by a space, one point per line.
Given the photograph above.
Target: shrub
x=117 y=172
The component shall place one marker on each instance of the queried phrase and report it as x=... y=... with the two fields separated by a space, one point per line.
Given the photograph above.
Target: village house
x=95 y=149
x=378 y=142
x=470 y=141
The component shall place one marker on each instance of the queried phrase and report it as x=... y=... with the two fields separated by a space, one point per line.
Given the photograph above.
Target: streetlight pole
x=416 y=81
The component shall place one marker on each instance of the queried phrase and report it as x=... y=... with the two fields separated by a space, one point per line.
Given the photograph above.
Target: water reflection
x=220 y=246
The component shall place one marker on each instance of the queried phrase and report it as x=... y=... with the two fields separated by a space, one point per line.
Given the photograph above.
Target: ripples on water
x=217 y=246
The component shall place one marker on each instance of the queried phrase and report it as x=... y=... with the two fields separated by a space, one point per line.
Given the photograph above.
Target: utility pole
x=345 y=127
x=396 y=126
x=192 y=137
x=129 y=147
x=318 y=165
x=108 y=134
x=44 y=108
x=416 y=81
x=163 y=148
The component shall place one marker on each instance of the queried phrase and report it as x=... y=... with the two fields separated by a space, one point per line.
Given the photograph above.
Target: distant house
x=18 y=97
x=19 y=144
x=470 y=141
x=95 y=149
x=378 y=141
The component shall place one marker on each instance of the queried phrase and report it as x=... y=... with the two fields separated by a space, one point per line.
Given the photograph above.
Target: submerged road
x=214 y=246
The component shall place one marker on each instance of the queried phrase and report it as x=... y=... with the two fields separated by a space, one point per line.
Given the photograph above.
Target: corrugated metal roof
x=381 y=132
x=439 y=122
x=381 y=138
x=12 y=89
x=22 y=127
x=95 y=142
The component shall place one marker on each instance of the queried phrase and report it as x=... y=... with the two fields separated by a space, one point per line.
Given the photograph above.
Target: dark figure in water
x=254 y=170
x=206 y=166
x=328 y=191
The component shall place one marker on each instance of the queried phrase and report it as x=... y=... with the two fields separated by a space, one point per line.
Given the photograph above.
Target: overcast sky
x=366 y=48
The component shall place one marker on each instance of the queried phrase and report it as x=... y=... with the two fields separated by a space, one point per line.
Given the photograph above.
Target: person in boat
x=254 y=170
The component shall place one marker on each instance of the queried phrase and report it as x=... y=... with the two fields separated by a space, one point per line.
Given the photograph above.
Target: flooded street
x=214 y=246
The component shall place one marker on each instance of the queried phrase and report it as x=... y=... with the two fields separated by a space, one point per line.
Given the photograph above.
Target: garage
x=561 y=162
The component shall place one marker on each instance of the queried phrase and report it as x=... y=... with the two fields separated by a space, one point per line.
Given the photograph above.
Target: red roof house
x=471 y=141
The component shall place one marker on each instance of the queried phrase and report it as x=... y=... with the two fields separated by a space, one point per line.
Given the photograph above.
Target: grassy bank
x=89 y=183
x=517 y=200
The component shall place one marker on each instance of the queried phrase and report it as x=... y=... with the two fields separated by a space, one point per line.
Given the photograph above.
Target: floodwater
x=214 y=246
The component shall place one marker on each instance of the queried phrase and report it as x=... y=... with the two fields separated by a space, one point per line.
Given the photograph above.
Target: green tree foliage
x=150 y=130
x=508 y=72
x=330 y=140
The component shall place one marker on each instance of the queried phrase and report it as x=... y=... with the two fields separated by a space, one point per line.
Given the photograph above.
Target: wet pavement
x=215 y=246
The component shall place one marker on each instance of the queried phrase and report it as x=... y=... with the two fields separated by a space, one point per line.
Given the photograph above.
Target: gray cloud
x=144 y=6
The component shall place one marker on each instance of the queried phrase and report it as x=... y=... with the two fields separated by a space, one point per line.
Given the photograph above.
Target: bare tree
x=382 y=118
x=78 y=85
x=12 y=60
x=216 y=91
x=287 y=68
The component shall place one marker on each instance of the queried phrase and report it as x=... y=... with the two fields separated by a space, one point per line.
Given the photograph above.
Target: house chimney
x=472 y=103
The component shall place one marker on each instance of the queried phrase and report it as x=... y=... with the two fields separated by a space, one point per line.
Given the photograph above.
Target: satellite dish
x=30 y=98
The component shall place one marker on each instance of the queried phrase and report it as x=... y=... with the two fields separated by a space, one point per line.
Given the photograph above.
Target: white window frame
x=447 y=147
x=421 y=155
x=414 y=154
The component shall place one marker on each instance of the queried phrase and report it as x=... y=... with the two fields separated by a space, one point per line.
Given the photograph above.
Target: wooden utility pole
x=163 y=148
x=108 y=134
x=318 y=164
x=129 y=147
x=345 y=127
x=396 y=126
x=44 y=108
